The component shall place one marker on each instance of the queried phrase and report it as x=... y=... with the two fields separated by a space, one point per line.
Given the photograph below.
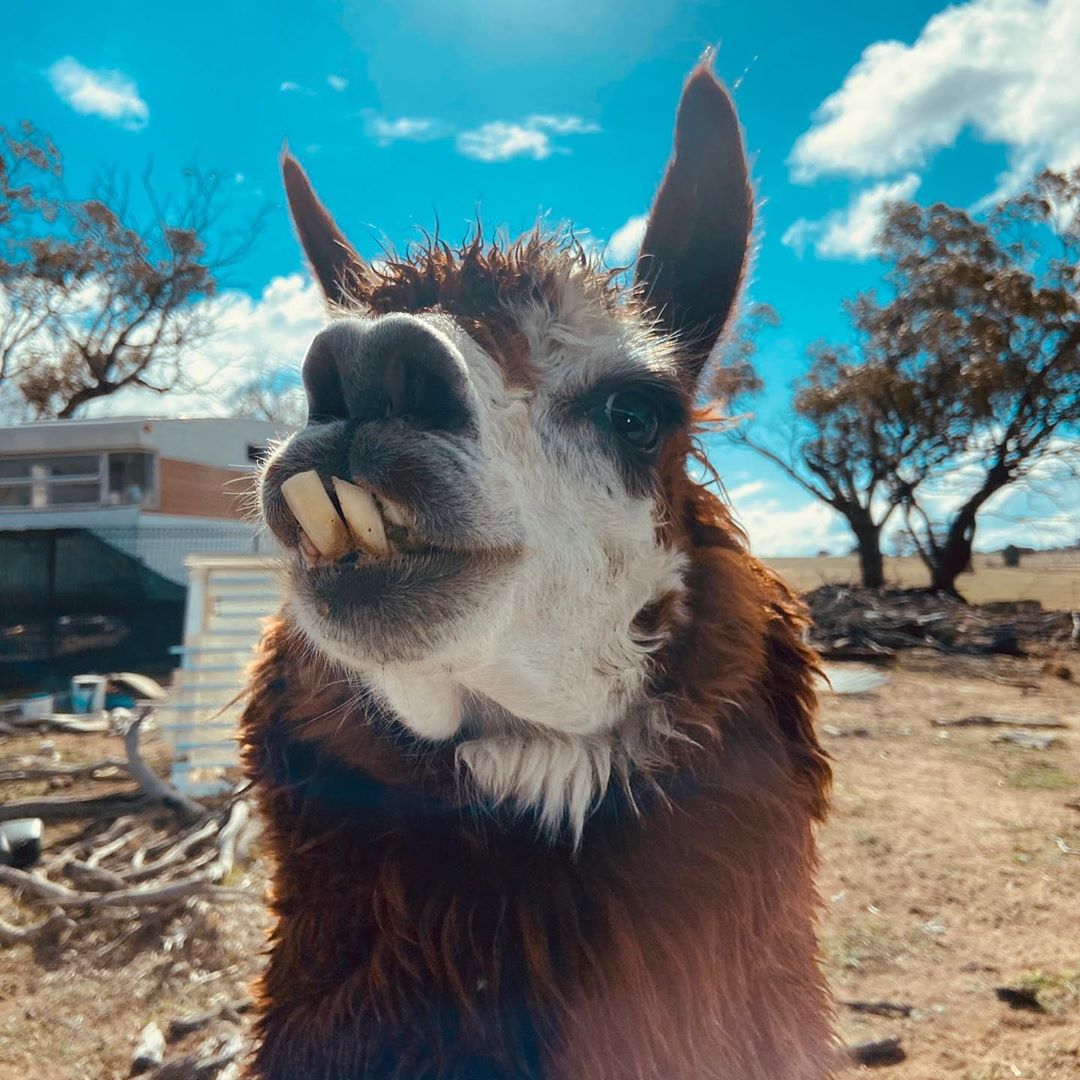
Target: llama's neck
x=525 y=736
x=417 y=938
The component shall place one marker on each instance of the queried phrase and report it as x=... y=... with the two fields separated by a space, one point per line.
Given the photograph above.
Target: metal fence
x=110 y=599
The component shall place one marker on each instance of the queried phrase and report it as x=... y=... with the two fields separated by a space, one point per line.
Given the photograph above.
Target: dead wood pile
x=873 y=624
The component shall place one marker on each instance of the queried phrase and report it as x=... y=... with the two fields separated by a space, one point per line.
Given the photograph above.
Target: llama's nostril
x=323 y=382
x=393 y=368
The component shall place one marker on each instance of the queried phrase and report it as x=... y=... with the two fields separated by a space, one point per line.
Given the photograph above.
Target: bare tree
x=987 y=313
x=92 y=299
x=273 y=394
x=967 y=371
x=855 y=426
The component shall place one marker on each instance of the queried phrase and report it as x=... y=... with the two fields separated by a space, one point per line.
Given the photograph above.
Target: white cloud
x=776 y=529
x=411 y=128
x=851 y=233
x=108 y=94
x=1005 y=69
x=290 y=87
x=336 y=82
x=562 y=125
x=501 y=140
x=255 y=336
x=625 y=242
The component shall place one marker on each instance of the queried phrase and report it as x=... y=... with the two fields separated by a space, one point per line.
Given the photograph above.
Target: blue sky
x=403 y=109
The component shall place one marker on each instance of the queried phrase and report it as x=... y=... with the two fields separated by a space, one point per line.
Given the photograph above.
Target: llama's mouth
x=368 y=581
x=342 y=524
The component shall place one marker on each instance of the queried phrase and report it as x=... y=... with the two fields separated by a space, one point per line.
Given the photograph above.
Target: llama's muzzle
x=358 y=522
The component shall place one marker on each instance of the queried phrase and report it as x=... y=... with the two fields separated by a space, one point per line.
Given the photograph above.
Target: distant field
x=1052 y=578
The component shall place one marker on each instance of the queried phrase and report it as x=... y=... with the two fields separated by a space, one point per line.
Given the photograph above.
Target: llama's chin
x=393 y=609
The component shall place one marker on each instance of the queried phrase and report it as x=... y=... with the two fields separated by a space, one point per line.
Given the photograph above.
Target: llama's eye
x=634 y=417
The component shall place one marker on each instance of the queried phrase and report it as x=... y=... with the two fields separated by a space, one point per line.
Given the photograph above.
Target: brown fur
x=676 y=943
x=422 y=934
x=482 y=285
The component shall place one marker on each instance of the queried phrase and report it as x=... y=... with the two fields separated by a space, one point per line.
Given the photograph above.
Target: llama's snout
x=394 y=368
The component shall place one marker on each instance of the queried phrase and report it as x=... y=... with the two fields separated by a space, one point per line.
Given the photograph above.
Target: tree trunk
x=871 y=564
x=954 y=555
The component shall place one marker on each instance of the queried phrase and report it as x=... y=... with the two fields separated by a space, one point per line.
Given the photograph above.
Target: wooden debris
x=57 y=925
x=878 y=1008
x=187 y=1025
x=1019 y=997
x=841 y=733
x=1027 y=739
x=152 y=786
x=92 y=877
x=206 y=1063
x=149 y=1050
x=64 y=807
x=170 y=893
x=998 y=720
x=883 y=1052
x=36 y=771
x=871 y=624
x=76 y=723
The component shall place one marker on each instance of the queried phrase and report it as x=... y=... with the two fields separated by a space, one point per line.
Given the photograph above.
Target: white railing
x=229 y=597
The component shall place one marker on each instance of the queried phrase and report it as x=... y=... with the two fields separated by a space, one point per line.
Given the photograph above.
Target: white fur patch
x=555 y=645
x=561 y=777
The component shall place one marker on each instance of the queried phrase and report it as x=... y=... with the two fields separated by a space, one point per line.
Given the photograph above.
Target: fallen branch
x=140 y=870
x=149 y=782
x=72 y=772
x=57 y=924
x=878 y=1008
x=996 y=720
x=227 y=840
x=92 y=877
x=171 y=893
x=1027 y=739
x=188 y=1025
x=64 y=807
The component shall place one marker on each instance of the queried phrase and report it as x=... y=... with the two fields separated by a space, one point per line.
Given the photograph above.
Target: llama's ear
x=338 y=267
x=692 y=258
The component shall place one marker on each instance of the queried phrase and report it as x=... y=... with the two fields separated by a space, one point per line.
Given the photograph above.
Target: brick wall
x=194 y=490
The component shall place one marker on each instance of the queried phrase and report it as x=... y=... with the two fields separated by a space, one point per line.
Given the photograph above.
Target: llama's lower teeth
x=393 y=514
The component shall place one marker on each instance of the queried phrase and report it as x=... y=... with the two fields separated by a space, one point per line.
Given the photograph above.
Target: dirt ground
x=951 y=866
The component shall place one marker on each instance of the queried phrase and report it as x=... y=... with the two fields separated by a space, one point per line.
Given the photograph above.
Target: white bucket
x=88 y=693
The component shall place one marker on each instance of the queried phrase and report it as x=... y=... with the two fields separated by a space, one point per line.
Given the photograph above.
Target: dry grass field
x=1051 y=577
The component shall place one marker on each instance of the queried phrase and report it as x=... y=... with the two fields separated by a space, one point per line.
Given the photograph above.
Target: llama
x=533 y=736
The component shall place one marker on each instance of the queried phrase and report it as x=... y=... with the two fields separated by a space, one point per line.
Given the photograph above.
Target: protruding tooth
x=311 y=506
x=362 y=516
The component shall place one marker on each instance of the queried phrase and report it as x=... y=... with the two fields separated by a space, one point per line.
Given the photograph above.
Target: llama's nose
x=393 y=368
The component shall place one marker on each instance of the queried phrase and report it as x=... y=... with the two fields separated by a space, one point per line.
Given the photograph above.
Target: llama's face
x=521 y=510
x=495 y=568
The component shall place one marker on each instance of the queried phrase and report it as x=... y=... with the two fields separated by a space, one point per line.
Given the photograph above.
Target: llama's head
x=500 y=437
